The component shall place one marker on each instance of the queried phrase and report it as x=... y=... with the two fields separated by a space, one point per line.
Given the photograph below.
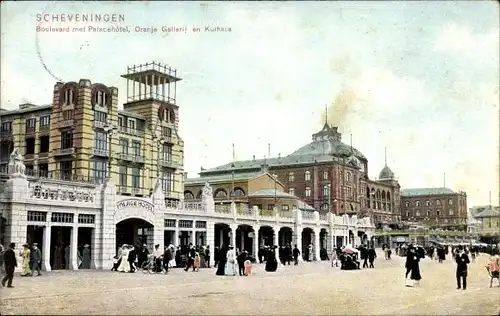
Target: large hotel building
x=83 y=136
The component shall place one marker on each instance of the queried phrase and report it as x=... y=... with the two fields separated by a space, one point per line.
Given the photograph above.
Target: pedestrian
x=26 y=255
x=296 y=254
x=462 y=260
x=335 y=260
x=191 y=255
x=36 y=258
x=10 y=263
x=207 y=256
x=241 y=258
x=371 y=256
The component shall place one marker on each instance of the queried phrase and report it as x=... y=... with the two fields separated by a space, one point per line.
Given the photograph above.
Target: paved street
x=311 y=288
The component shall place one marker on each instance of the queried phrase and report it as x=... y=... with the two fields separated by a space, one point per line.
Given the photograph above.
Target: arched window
x=69 y=97
x=388 y=196
x=352 y=207
x=407 y=204
x=438 y=202
x=238 y=192
x=348 y=177
x=450 y=202
x=383 y=195
x=200 y=193
x=291 y=177
x=326 y=190
x=427 y=203
x=307 y=192
x=188 y=195
x=307 y=176
x=418 y=203
x=220 y=193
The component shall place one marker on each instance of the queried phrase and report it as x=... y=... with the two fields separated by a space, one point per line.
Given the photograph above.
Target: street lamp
x=110 y=130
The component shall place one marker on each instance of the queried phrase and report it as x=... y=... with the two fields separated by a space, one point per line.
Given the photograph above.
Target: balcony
x=66 y=123
x=30 y=131
x=173 y=195
x=131 y=131
x=137 y=191
x=168 y=164
x=6 y=134
x=44 y=129
x=43 y=155
x=64 y=151
x=167 y=139
x=101 y=152
x=123 y=190
x=98 y=124
x=132 y=158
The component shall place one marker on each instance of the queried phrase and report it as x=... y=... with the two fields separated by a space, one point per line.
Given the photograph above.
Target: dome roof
x=386 y=173
x=328 y=142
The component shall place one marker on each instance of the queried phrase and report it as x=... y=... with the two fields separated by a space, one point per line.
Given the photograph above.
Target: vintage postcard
x=249 y=158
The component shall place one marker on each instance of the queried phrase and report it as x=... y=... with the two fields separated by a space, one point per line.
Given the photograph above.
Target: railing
x=133 y=158
x=286 y=214
x=131 y=131
x=267 y=213
x=307 y=215
x=168 y=164
x=99 y=124
x=167 y=139
x=323 y=217
x=101 y=152
x=223 y=208
x=66 y=123
x=30 y=130
x=5 y=133
x=245 y=211
x=64 y=151
x=44 y=128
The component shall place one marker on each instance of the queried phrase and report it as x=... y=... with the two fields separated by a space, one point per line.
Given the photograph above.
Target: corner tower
x=151 y=94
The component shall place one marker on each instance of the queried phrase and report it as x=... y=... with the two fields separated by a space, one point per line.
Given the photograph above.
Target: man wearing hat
x=142 y=256
x=36 y=259
x=10 y=262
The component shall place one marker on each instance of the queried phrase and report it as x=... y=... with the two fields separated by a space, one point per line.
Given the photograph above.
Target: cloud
x=461 y=39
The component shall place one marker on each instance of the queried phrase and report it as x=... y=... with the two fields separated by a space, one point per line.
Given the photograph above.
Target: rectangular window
x=136 y=148
x=86 y=219
x=66 y=169
x=100 y=116
x=123 y=176
x=30 y=124
x=43 y=170
x=67 y=115
x=291 y=177
x=166 y=152
x=66 y=139
x=166 y=131
x=45 y=121
x=37 y=216
x=30 y=146
x=307 y=176
x=120 y=121
x=44 y=144
x=326 y=190
x=167 y=182
x=101 y=140
x=124 y=146
x=136 y=177
x=6 y=126
x=270 y=207
x=291 y=191
x=308 y=192
x=325 y=175
x=285 y=207
x=169 y=222
x=99 y=170
x=131 y=124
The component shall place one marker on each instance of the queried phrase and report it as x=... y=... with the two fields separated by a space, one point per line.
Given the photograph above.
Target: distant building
x=328 y=175
x=489 y=220
x=435 y=207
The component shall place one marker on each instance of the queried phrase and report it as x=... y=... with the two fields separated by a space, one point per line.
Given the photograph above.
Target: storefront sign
x=135 y=203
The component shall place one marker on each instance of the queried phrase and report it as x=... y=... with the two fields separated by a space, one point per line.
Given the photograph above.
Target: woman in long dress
x=171 y=263
x=58 y=257
x=231 y=261
x=310 y=253
x=85 y=258
x=221 y=265
x=26 y=254
x=271 y=262
x=124 y=266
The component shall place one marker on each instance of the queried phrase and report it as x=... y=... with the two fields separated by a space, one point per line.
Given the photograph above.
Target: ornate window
x=167 y=115
x=101 y=96
x=307 y=176
x=291 y=177
x=238 y=192
x=188 y=195
x=220 y=193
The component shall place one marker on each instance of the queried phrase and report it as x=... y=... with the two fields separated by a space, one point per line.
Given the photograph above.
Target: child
x=248 y=267
x=197 y=261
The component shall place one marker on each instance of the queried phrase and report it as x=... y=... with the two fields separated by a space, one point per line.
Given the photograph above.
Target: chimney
x=264 y=168
x=253 y=157
x=279 y=155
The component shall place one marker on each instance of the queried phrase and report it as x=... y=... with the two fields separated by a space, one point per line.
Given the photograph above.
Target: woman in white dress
x=171 y=263
x=231 y=262
x=124 y=265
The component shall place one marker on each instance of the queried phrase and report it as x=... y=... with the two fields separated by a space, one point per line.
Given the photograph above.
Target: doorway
x=59 y=247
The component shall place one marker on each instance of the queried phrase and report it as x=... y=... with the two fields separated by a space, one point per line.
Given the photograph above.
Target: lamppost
x=110 y=130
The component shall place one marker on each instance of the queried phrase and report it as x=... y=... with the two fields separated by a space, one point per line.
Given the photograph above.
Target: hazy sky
x=421 y=78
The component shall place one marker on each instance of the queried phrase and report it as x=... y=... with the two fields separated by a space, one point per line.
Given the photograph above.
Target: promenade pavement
x=308 y=289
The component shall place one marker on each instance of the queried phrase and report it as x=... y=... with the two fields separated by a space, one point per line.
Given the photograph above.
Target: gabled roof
x=228 y=177
x=426 y=192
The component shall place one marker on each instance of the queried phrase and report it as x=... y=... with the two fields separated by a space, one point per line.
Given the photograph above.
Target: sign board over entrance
x=135 y=203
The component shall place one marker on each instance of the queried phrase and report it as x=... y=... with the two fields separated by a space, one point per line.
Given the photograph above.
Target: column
x=193 y=237
x=211 y=241
x=176 y=234
x=316 y=245
x=233 y=235
x=46 y=249
x=73 y=253
x=256 y=242
x=276 y=241
x=298 y=240
x=221 y=237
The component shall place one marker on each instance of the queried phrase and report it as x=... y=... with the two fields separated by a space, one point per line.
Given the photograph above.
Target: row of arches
x=307 y=176
x=219 y=193
x=378 y=199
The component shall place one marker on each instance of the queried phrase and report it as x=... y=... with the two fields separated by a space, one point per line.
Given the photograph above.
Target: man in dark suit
x=242 y=256
x=207 y=255
x=10 y=263
x=132 y=255
x=191 y=255
x=462 y=260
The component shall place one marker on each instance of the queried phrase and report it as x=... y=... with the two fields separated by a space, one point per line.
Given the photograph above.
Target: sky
x=420 y=78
